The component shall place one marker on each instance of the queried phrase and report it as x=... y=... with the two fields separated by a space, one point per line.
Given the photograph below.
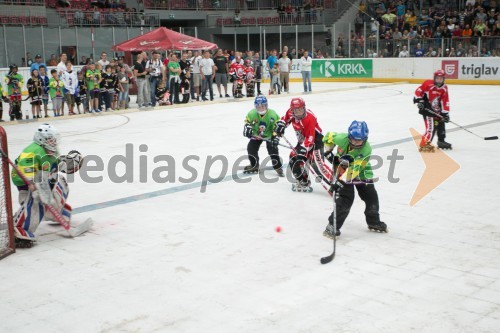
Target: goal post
x=6 y=224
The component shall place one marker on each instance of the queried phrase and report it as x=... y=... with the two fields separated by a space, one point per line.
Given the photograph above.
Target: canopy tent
x=164 y=39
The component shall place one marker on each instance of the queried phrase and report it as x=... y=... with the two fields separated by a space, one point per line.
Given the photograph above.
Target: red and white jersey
x=305 y=129
x=437 y=96
x=238 y=70
x=249 y=72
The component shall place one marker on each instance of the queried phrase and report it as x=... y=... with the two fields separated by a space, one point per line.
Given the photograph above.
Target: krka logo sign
x=342 y=68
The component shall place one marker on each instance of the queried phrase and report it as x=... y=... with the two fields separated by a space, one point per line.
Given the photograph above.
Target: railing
x=106 y=18
x=29 y=17
x=228 y=5
x=23 y=2
x=266 y=18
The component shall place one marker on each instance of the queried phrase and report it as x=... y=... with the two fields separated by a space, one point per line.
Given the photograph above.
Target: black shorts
x=94 y=94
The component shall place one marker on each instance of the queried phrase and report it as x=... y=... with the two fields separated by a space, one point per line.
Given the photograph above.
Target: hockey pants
x=253 y=153
x=32 y=211
x=345 y=198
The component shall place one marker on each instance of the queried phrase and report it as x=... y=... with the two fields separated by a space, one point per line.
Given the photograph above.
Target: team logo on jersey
x=450 y=68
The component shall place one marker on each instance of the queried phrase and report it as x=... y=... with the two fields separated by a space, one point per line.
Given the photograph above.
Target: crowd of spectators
x=435 y=31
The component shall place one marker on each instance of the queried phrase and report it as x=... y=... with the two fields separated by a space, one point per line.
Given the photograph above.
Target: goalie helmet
x=48 y=137
x=439 y=77
x=358 y=134
x=261 y=104
x=298 y=107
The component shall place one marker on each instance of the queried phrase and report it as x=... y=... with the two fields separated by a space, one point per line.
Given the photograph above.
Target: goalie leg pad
x=28 y=217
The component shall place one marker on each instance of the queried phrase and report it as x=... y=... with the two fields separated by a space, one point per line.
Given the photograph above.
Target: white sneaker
x=110 y=109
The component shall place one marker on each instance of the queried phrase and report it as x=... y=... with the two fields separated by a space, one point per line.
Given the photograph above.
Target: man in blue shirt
x=271 y=60
x=38 y=62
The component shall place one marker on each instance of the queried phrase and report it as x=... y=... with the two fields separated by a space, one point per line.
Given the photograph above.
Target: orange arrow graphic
x=438 y=167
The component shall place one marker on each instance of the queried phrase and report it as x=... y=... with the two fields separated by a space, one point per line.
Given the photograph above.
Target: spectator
x=53 y=60
x=419 y=51
x=285 y=65
x=222 y=69
x=258 y=70
x=174 y=70
x=70 y=81
x=140 y=77
x=78 y=17
x=237 y=18
x=104 y=60
x=460 y=52
x=84 y=61
x=404 y=53
x=61 y=66
x=123 y=87
x=396 y=35
x=156 y=71
x=305 y=68
x=207 y=68
x=271 y=60
x=196 y=76
x=38 y=62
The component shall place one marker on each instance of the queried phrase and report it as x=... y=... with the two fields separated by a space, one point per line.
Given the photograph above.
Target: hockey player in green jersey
x=259 y=127
x=14 y=82
x=39 y=163
x=353 y=158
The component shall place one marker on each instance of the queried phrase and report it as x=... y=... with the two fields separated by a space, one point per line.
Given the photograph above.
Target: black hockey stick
x=465 y=129
x=327 y=259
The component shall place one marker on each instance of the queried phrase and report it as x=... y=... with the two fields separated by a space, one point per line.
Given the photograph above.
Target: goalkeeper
x=40 y=164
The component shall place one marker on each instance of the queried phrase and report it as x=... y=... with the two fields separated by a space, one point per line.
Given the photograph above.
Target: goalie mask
x=48 y=137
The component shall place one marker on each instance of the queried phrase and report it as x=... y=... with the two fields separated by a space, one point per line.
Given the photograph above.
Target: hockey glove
x=280 y=128
x=336 y=185
x=420 y=103
x=70 y=163
x=275 y=141
x=446 y=117
x=247 y=130
x=330 y=156
x=301 y=152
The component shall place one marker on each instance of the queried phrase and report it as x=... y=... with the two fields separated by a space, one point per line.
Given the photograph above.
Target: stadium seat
x=268 y=20
x=219 y=21
x=251 y=21
x=244 y=21
x=260 y=20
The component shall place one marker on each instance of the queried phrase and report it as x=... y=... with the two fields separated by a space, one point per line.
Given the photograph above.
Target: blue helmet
x=358 y=131
x=261 y=104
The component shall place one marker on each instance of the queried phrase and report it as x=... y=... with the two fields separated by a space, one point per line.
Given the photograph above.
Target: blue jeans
x=153 y=83
x=207 y=80
x=306 y=79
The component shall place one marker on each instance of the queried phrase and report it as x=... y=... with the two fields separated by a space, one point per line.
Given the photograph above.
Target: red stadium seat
x=244 y=21
x=219 y=21
x=260 y=20
x=268 y=20
x=14 y=20
x=251 y=21
x=276 y=20
x=4 y=20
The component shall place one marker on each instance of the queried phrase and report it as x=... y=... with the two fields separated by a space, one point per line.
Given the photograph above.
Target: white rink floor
x=167 y=258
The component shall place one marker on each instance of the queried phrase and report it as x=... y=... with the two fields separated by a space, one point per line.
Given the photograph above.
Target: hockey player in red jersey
x=250 y=80
x=237 y=72
x=309 y=146
x=434 y=105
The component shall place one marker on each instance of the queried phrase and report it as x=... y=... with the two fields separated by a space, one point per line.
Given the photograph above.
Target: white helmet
x=48 y=137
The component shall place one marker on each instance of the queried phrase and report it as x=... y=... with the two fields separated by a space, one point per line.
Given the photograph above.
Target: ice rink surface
x=165 y=257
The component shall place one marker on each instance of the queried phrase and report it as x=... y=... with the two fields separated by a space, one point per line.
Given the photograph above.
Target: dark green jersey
x=32 y=159
x=360 y=167
x=263 y=126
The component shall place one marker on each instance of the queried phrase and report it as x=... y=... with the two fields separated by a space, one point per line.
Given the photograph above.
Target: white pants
x=32 y=211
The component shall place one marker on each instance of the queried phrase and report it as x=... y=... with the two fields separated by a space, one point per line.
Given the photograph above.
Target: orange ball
x=278 y=229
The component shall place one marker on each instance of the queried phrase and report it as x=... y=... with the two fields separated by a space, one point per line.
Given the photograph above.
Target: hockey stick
x=267 y=140
x=465 y=129
x=327 y=259
x=73 y=231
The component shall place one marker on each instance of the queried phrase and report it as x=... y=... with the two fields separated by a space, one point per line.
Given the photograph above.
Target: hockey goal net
x=6 y=226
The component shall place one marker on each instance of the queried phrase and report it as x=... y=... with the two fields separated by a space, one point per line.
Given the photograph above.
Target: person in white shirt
x=104 y=60
x=404 y=52
x=70 y=80
x=61 y=68
x=285 y=65
x=195 y=62
x=207 y=69
x=305 y=69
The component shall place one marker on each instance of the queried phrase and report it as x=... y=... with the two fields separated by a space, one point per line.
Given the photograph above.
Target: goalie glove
x=71 y=162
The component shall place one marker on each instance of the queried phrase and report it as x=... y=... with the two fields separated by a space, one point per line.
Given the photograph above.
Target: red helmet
x=437 y=74
x=298 y=107
x=248 y=62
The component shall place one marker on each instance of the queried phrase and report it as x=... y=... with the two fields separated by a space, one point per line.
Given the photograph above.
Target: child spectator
x=123 y=85
x=56 y=87
x=93 y=77
x=35 y=92
x=70 y=81
x=81 y=97
x=44 y=80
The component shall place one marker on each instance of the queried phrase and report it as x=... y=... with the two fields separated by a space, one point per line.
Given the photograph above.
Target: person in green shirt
x=353 y=159
x=56 y=93
x=259 y=127
x=93 y=77
x=174 y=69
x=40 y=163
